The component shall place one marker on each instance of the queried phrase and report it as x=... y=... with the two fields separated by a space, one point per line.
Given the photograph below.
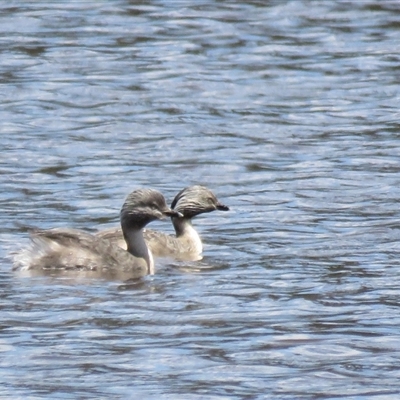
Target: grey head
x=195 y=200
x=143 y=206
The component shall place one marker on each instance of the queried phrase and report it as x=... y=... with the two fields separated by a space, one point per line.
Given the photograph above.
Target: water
x=288 y=111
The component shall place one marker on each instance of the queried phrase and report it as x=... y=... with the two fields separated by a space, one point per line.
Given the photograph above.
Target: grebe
x=186 y=243
x=72 y=249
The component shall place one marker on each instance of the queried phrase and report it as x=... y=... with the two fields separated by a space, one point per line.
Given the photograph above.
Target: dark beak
x=222 y=207
x=171 y=213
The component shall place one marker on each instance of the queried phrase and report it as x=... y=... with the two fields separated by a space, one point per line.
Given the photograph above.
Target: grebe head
x=143 y=206
x=195 y=200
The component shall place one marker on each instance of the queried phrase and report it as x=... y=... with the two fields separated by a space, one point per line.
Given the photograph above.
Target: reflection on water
x=288 y=111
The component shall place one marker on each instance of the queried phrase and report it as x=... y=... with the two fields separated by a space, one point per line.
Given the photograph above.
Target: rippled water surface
x=289 y=112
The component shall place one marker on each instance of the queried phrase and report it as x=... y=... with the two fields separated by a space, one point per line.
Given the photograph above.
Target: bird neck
x=186 y=232
x=137 y=246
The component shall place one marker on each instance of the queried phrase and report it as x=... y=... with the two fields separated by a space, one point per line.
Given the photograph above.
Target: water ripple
x=288 y=112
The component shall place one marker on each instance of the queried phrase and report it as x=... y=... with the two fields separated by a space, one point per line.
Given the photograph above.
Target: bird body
x=72 y=249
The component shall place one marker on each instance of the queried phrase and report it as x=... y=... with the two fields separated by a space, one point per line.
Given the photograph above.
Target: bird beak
x=222 y=207
x=171 y=213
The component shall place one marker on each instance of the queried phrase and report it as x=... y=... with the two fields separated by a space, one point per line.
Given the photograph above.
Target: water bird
x=186 y=244
x=76 y=250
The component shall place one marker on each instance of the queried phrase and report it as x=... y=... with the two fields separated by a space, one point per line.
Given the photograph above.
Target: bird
x=186 y=244
x=76 y=250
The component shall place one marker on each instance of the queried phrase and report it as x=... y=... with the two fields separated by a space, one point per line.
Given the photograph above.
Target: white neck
x=137 y=247
x=185 y=231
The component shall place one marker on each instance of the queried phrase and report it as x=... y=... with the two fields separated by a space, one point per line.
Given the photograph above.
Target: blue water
x=288 y=111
